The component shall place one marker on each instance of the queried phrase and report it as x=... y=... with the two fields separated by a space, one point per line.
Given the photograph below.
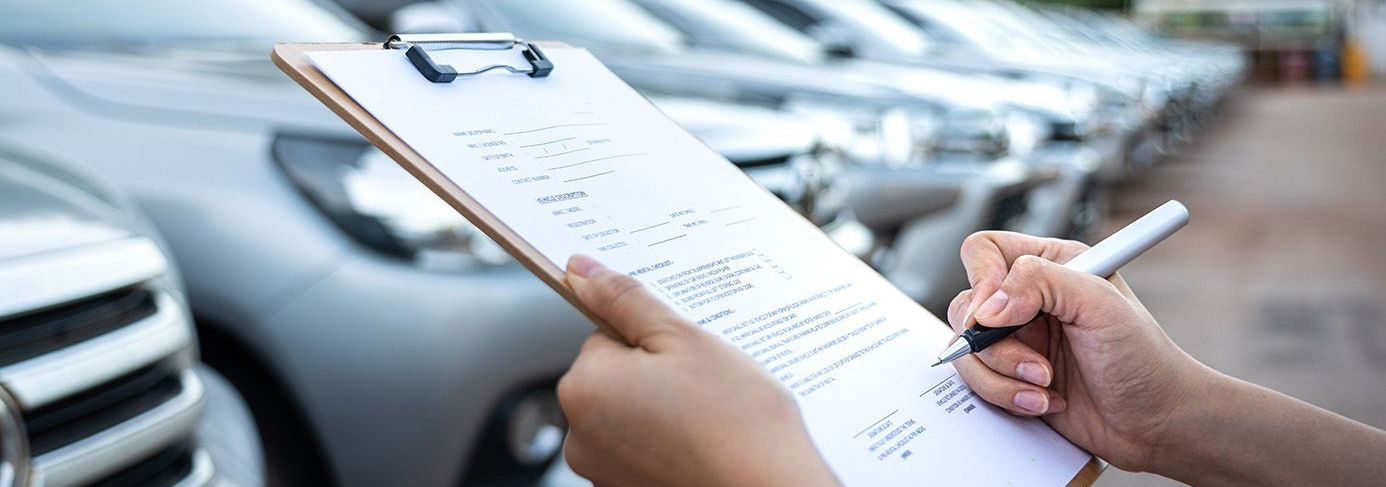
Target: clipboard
x=291 y=58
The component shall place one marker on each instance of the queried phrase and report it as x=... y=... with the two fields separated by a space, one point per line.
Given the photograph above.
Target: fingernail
x=1032 y=401
x=1056 y=405
x=582 y=265
x=993 y=305
x=1033 y=373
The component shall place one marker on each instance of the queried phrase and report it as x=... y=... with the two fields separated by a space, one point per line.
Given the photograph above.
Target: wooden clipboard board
x=292 y=60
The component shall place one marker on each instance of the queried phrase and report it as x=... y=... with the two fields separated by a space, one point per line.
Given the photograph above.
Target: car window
x=735 y=26
x=883 y=27
x=171 y=21
x=614 y=23
x=790 y=15
x=964 y=22
x=937 y=32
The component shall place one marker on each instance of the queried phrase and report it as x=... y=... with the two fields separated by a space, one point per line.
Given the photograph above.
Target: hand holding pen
x=1101 y=260
x=1059 y=356
x=1087 y=357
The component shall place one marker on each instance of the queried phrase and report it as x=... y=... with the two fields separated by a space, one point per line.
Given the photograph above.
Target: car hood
x=44 y=208
x=977 y=90
x=237 y=88
x=742 y=77
x=227 y=88
x=741 y=133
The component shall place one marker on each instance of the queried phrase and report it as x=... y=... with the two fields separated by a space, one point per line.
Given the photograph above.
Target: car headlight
x=382 y=206
x=1155 y=97
x=972 y=132
x=1083 y=98
x=866 y=135
x=1025 y=133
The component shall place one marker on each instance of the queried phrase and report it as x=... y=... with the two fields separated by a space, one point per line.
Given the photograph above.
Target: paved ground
x=1281 y=276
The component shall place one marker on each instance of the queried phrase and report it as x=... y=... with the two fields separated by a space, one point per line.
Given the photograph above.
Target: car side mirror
x=427 y=18
x=836 y=39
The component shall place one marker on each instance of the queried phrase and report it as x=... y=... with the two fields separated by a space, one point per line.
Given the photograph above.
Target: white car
x=380 y=339
x=100 y=381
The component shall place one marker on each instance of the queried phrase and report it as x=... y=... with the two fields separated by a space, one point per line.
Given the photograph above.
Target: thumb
x=1035 y=284
x=627 y=305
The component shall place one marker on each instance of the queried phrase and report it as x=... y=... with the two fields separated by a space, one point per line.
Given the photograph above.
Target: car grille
x=97 y=362
x=166 y=468
x=1065 y=132
x=43 y=332
x=1008 y=210
x=100 y=408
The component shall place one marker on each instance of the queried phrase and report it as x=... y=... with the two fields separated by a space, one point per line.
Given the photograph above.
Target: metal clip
x=413 y=45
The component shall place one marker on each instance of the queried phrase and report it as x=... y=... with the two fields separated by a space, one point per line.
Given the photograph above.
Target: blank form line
x=547 y=143
x=849 y=308
x=738 y=222
x=649 y=227
x=551 y=127
x=667 y=240
x=873 y=425
x=599 y=159
x=729 y=208
x=564 y=153
x=589 y=177
x=931 y=389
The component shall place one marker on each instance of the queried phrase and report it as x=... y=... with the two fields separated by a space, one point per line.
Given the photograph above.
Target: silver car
x=380 y=339
x=889 y=31
x=100 y=382
x=876 y=125
x=1049 y=125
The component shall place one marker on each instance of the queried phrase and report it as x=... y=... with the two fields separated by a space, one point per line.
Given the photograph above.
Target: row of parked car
x=206 y=276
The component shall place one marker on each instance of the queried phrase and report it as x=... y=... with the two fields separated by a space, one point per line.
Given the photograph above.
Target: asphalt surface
x=1280 y=277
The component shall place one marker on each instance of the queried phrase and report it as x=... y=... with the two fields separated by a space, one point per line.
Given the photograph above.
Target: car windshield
x=1023 y=21
x=609 y=23
x=962 y=23
x=885 y=26
x=735 y=26
x=164 y=22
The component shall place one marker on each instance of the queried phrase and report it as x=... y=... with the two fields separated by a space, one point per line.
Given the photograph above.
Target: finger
x=988 y=256
x=582 y=390
x=1011 y=358
x=579 y=457
x=958 y=309
x=1035 y=284
x=598 y=343
x=1018 y=397
x=625 y=303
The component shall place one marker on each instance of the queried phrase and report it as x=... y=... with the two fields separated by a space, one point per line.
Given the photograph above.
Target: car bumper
x=398 y=369
x=1061 y=208
x=924 y=258
x=227 y=434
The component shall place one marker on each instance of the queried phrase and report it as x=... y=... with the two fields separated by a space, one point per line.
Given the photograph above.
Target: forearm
x=1238 y=433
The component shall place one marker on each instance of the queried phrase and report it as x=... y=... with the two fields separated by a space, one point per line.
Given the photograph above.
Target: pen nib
x=936 y=364
x=957 y=350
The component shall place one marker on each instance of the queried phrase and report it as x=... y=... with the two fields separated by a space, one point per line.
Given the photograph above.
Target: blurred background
x=207 y=278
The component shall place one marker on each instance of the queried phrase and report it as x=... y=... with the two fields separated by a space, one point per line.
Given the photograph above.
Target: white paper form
x=578 y=162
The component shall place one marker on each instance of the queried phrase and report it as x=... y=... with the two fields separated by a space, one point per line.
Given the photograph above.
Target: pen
x=1101 y=260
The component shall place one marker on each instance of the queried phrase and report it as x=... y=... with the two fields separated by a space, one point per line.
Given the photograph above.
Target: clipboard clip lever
x=414 y=49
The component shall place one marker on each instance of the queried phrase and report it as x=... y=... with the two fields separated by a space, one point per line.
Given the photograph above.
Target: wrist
x=1188 y=448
